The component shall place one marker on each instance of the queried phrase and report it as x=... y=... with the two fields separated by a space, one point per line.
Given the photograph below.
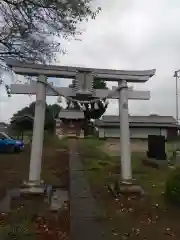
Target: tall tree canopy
x=51 y=114
x=32 y=29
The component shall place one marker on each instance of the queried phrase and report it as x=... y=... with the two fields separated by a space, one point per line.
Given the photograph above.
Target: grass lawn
x=133 y=218
x=31 y=218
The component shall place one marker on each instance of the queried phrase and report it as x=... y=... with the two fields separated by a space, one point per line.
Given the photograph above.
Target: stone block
x=122 y=188
x=131 y=189
x=58 y=199
x=158 y=164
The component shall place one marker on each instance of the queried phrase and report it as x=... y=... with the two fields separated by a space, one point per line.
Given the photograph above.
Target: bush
x=172 y=191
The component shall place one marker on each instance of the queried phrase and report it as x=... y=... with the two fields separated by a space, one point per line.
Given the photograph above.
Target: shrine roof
x=71 y=114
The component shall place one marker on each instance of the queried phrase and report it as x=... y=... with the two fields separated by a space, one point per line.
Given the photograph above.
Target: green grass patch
x=53 y=140
x=152 y=180
x=103 y=168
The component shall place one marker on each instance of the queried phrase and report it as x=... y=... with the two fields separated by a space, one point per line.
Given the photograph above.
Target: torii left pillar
x=38 y=134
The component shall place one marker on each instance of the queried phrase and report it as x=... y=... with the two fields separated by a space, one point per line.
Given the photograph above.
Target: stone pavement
x=83 y=209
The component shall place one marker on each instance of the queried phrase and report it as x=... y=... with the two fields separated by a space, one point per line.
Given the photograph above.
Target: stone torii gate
x=83 y=89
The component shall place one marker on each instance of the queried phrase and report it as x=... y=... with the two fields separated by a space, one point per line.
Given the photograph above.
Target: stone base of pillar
x=81 y=134
x=127 y=182
x=33 y=187
x=130 y=188
x=60 y=136
x=126 y=188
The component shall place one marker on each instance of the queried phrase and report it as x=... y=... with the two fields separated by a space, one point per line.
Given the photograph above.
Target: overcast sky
x=127 y=34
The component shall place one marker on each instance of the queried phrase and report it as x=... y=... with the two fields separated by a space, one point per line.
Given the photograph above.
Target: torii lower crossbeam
x=31 y=89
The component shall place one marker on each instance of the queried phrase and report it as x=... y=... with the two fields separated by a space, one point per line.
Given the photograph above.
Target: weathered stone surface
x=177 y=161
x=14 y=193
x=32 y=191
x=120 y=188
x=5 y=204
x=58 y=198
x=158 y=164
x=84 y=211
x=131 y=189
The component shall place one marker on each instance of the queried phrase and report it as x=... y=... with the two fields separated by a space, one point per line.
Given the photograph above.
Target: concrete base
x=131 y=188
x=33 y=183
x=33 y=187
x=60 y=136
x=55 y=197
x=32 y=190
x=58 y=199
x=125 y=188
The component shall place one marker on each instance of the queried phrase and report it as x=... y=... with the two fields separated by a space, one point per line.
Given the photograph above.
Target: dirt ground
x=42 y=223
x=138 y=218
x=131 y=217
x=127 y=217
x=113 y=146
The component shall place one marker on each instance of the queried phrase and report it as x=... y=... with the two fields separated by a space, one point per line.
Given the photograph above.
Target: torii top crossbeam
x=71 y=72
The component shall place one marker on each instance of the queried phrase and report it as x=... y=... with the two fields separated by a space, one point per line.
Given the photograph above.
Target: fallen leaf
x=115 y=234
x=130 y=210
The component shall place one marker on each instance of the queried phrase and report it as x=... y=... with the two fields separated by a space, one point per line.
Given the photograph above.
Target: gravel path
x=83 y=209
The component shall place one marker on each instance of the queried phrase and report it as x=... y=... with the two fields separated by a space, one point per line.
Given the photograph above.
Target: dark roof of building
x=3 y=124
x=22 y=118
x=71 y=114
x=139 y=121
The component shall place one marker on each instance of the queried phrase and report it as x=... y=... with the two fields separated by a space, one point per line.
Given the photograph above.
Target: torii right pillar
x=125 y=151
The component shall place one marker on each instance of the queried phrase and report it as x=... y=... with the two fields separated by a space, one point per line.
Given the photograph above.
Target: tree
x=29 y=111
x=21 y=124
x=51 y=114
x=94 y=110
x=31 y=30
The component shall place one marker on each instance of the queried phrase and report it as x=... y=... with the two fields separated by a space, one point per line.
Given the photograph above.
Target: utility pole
x=177 y=97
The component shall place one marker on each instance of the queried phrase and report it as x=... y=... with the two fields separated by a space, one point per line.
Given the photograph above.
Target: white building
x=140 y=126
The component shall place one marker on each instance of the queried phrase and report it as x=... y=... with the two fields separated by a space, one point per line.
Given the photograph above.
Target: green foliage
x=31 y=30
x=91 y=150
x=29 y=110
x=53 y=140
x=172 y=192
x=51 y=114
x=99 y=84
